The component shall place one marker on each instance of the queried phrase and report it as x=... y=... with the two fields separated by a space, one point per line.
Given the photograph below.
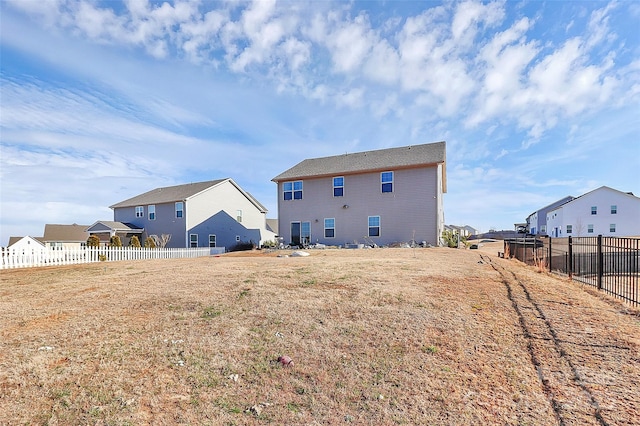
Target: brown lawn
x=380 y=336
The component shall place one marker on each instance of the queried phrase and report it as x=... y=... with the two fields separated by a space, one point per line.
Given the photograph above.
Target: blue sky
x=102 y=100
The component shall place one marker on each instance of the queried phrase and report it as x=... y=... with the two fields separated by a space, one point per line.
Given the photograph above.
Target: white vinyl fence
x=20 y=258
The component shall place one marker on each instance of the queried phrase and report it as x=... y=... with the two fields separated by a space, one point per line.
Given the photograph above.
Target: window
x=179 y=209
x=330 y=228
x=239 y=216
x=614 y=209
x=590 y=229
x=543 y=229
x=193 y=240
x=237 y=238
x=594 y=210
x=152 y=212
x=386 y=179
x=140 y=211
x=374 y=226
x=338 y=186
x=305 y=233
x=292 y=190
x=612 y=227
x=212 y=240
x=569 y=229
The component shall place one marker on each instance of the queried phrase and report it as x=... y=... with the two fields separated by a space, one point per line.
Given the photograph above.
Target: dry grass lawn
x=382 y=336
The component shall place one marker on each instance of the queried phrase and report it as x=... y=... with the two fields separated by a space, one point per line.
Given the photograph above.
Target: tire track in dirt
x=572 y=401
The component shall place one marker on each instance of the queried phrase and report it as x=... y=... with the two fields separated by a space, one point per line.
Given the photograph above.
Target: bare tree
x=162 y=240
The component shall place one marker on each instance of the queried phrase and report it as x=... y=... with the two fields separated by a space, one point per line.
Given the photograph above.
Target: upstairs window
x=594 y=210
x=292 y=190
x=179 y=209
x=239 y=216
x=193 y=240
x=338 y=186
x=139 y=211
x=152 y=212
x=614 y=209
x=374 y=226
x=329 y=228
x=386 y=179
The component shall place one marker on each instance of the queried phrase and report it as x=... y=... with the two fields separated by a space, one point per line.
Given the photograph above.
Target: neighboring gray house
x=215 y=213
x=537 y=221
x=105 y=229
x=383 y=196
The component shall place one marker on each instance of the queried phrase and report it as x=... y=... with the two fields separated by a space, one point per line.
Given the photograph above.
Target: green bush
x=450 y=238
x=269 y=244
x=93 y=241
x=135 y=242
x=243 y=246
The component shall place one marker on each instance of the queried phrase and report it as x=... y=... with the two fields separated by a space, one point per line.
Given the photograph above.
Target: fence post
x=600 y=266
x=550 y=257
x=570 y=257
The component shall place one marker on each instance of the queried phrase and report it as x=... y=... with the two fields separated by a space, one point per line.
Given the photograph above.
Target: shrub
x=135 y=242
x=269 y=244
x=149 y=243
x=93 y=241
x=243 y=246
x=115 y=241
x=450 y=238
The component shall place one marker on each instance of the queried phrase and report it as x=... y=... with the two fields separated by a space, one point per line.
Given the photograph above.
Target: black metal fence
x=610 y=264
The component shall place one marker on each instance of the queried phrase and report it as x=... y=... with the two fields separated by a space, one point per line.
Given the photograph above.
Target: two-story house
x=537 y=221
x=216 y=213
x=382 y=196
x=603 y=211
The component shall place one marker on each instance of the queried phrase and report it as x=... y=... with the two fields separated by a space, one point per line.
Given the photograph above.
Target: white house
x=603 y=211
x=26 y=244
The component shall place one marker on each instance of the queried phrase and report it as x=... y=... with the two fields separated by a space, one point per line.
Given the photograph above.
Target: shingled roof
x=65 y=233
x=169 y=194
x=358 y=162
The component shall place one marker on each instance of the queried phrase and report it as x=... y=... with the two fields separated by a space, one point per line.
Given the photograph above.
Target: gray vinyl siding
x=210 y=208
x=166 y=222
x=414 y=205
x=222 y=222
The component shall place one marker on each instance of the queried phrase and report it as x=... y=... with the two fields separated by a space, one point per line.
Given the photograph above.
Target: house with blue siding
x=217 y=213
x=377 y=197
x=537 y=221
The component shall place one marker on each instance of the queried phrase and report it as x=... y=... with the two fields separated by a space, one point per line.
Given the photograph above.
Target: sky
x=103 y=100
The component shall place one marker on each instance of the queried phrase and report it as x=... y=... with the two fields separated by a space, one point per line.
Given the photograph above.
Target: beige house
x=65 y=236
x=374 y=197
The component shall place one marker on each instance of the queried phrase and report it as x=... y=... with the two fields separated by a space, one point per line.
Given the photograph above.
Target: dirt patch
x=380 y=336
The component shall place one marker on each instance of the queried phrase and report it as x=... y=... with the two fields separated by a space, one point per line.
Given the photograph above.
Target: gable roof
x=167 y=194
x=602 y=188
x=65 y=233
x=15 y=240
x=110 y=225
x=170 y=194
x=358 y=162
